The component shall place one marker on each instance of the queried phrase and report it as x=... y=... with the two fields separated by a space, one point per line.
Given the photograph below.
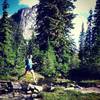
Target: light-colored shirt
x=30 y=62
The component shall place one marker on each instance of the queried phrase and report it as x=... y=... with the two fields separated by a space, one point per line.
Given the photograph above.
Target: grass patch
x=29 y=78
x=59 y=80
x=60 y=94
x=91 y=81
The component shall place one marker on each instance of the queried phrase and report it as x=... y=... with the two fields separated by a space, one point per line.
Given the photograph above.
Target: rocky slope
x=26 y=19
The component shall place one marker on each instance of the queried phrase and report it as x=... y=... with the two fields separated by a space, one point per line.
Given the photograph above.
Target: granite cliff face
x=26 y=19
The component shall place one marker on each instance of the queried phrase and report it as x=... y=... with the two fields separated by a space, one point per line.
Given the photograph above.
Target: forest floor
x=25 y=88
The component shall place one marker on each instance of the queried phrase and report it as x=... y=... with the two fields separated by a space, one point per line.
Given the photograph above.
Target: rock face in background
x=26 y=19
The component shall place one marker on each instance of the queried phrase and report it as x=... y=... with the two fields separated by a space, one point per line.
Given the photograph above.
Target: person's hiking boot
x=35 y=82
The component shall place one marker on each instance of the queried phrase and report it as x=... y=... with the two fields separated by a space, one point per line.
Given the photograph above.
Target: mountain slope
x=26 y=19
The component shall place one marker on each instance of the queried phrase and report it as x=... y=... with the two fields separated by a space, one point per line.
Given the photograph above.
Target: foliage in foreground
x=59 y=94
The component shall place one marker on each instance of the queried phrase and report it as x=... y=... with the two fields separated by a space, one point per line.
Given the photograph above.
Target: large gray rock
x=16 y=86
x=36 y=88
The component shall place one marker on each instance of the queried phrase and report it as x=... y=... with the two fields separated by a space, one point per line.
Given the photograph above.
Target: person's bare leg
x=33 y=74
x=22 y=74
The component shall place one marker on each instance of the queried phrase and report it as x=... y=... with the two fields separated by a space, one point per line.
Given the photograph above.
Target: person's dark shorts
x=28 y=68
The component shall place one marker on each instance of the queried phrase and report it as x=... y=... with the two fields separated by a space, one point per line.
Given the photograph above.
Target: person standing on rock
x=28 y=67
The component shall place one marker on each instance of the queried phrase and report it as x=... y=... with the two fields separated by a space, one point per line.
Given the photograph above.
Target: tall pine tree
x=6 y=51
x=82 y=45
x=19 y=46
x=89 y=40
x=96 y=37
x=92 y=45
x=54 y=21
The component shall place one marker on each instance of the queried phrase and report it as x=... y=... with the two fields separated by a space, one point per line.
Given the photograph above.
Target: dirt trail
x=85 y=90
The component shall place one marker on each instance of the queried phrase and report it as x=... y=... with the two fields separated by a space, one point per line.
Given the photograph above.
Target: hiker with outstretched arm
x=28 y=67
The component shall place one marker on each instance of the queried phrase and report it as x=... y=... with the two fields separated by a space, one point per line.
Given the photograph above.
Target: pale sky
x=30 y=3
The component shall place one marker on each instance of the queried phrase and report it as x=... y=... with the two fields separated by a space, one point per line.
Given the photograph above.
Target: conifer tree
x=19 y=46
x=49 y=62
x=92 y=44
x=96 y=35
x=82 y=45
x=6 y=51
x=89 y=40
x=54 y=22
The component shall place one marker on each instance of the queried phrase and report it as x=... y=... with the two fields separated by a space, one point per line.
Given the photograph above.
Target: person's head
x=30 y=56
